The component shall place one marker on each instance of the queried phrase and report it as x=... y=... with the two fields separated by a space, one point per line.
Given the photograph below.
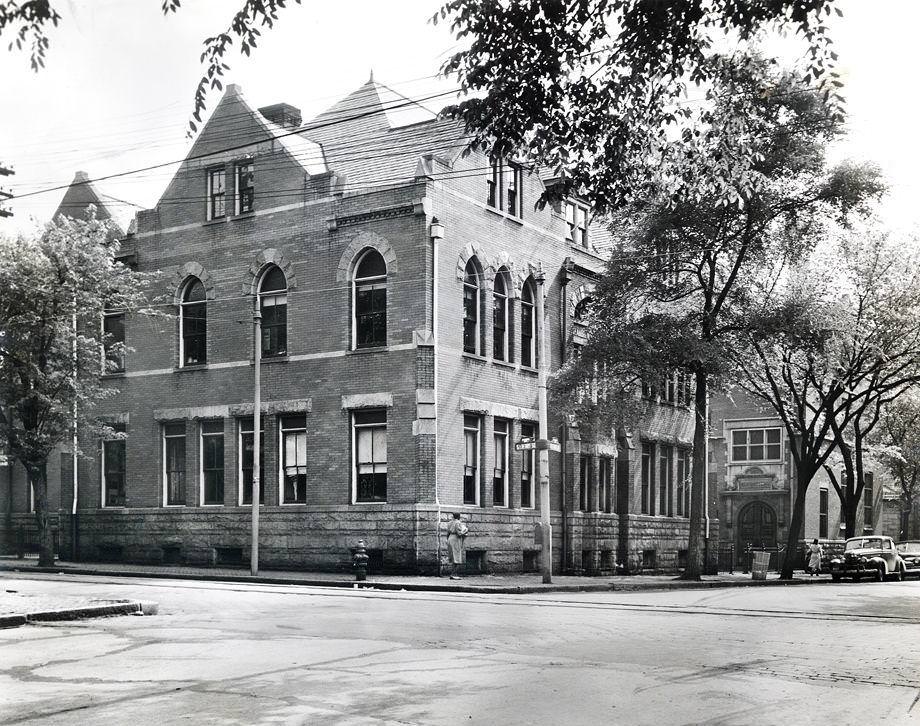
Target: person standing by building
x=815 y=552
x=456 y=534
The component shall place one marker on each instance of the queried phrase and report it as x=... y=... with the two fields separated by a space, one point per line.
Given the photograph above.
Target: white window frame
x=477 y=482
x=201 y=483
x=529 y=287
x=529 y=455
x=239 y=460
x=163 y=471
x=103 y=499
x=281 y=453
x=477 y=331
x=209 y=211
x=385 y=425
x=102 y=353
x=505 y=297
x=183 y=304
x=747 y=444
x=506 y=438
x=576 y=218
x=374 y=283
x=237 y=197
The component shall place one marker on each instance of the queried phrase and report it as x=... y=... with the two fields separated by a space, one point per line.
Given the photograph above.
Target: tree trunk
x=849 y=516
x=795 y=526
x=39 y=480
x=697 y=484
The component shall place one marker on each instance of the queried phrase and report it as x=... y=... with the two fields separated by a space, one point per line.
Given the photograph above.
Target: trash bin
x=760 y=565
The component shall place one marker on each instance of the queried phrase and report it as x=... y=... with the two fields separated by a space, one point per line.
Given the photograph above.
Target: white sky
x=118 y=87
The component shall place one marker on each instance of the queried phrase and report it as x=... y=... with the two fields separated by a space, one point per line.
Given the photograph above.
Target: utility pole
x=5 y=171
x=542 y=444
x=256 y=436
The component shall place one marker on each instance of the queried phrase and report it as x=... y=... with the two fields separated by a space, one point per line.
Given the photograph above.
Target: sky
x=118 y=88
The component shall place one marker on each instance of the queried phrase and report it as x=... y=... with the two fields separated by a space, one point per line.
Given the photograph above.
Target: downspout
x=436 y=233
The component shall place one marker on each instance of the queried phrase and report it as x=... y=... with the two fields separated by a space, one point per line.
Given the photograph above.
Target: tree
x=595 y=90
x=29 y=20
x=899 y=452
x=53 y=290
x=723 y=213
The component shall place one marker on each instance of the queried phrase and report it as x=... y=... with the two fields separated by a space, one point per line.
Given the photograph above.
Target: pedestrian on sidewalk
x=815 y=552
x=456 y=535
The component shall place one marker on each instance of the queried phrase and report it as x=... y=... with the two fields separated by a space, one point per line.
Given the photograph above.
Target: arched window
x=528 y=322
x=193 y=324
x=370 y=301
x=273 y=306
x=500 y=325
x=583 y=311
x=471 y=305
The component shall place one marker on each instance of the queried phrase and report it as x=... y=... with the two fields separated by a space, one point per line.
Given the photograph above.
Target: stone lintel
x=427 y=426
x=295 y=405
x=424 y=395
x=501 y=410
x=383 y=399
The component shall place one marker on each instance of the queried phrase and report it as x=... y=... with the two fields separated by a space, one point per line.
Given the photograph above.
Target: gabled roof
x=77 y=199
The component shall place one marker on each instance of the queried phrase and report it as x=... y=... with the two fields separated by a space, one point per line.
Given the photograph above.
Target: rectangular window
x=212 y=462
x=505 y=187
x=370 y=446
x=470 y=318
x=756 y=445
x=216 y=194
x=576 y=218
x=500 y=472
x=113 y=470
x=471 y=460
x=247 y=449
x=868 y=503
x=174 y=463
x=527 y=331
x=683 y=483
x=584 y=477
x=371 y=314
x=274 y=325
x=647 y=478
x=494 y=182
x=528 y=431
x=603 y=484
x=293 y=459
x=822 y=513
x=665 y=480
x=245 y=188
x=113 y=342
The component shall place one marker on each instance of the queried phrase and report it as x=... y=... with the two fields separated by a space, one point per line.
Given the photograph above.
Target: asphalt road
x=262 y=654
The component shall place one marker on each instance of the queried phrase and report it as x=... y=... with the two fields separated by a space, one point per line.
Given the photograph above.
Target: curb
x=415 y=586
x=90 y=611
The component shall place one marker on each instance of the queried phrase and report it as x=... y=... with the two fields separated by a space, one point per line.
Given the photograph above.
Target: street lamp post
x=542 y=444
x=256 y=432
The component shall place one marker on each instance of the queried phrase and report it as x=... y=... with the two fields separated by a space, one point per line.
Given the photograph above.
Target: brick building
x=754 y=474
x=396 y=280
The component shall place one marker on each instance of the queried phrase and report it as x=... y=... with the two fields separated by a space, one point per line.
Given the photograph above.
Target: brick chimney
x=283 y=114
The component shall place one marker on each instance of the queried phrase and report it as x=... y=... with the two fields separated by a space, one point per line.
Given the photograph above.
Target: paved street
x=279 y=654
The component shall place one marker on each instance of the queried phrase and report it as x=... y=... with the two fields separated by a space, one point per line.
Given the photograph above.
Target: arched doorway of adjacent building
x=756 y=527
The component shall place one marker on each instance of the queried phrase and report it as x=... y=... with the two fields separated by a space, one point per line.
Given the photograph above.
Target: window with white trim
x=370 y=447
x=293 y=433
x=217 y=193
x=822 y=512
x=506 y=187
x=647 y=478
x=471 y=427
x=576 y=219
x=370 y=301
x=500 y=471
x=247 y=460
x=472 y=282
x=212 y=462
x=273 y=306
x=528 y=321
x=761 y=444
x=174 y=463
x=605 y=469
x=500 y=317
x=245 y=187
x=193 y=324
x=665 y=480
x=528 y=431
x=113 y=341
x=683 y=483
x=113 y=469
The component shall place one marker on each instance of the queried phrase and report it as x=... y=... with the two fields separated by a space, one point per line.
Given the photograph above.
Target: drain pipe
x=436 y=232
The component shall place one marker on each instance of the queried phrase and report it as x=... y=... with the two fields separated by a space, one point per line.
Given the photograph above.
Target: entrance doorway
x=756 y=528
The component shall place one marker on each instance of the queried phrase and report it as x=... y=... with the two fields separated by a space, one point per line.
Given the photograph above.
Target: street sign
x=526 y=444
x=529 y=444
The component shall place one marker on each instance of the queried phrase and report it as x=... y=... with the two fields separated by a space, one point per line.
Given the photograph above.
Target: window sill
x=474 y=357
x=218 y=220
x=191 y=367
x=243 y=215
x=364 y=503
x=504 y=364
x=369 y=349
x=272 y=359
x=113 y=374
x=529 y=371
x=293 y=504
x=502 y=213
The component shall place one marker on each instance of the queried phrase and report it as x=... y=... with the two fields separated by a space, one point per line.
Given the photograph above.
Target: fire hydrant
x=359 y=561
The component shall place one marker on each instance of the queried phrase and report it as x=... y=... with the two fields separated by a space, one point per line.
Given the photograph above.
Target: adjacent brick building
x=395 y=278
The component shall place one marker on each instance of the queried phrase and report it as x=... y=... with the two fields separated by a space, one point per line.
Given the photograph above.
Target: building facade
x=395 y=280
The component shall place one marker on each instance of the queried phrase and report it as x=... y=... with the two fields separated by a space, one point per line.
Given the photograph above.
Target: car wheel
x=835 y=577
x=899 y=574
x=880 y=574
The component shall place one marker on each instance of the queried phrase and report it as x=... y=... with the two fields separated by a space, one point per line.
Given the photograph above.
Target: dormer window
x=505 y=187
x=217 y=193
x=576 y=218
x=245 y=187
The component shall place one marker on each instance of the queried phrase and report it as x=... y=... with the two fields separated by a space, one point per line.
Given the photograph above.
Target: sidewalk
x=489 y=584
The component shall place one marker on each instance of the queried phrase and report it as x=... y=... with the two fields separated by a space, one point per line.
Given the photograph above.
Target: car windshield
x=912 y=548
x=864 y=543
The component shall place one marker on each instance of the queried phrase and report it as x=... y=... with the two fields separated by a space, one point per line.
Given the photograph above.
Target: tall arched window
x=500 y=317
x=528 y=321
x=583 y=311
x=370 y=301
x=273 y=306
x=193 y=324
x=471 y=305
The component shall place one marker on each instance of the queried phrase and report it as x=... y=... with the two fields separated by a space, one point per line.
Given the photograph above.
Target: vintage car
x=910 y=556
x=872 y=556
